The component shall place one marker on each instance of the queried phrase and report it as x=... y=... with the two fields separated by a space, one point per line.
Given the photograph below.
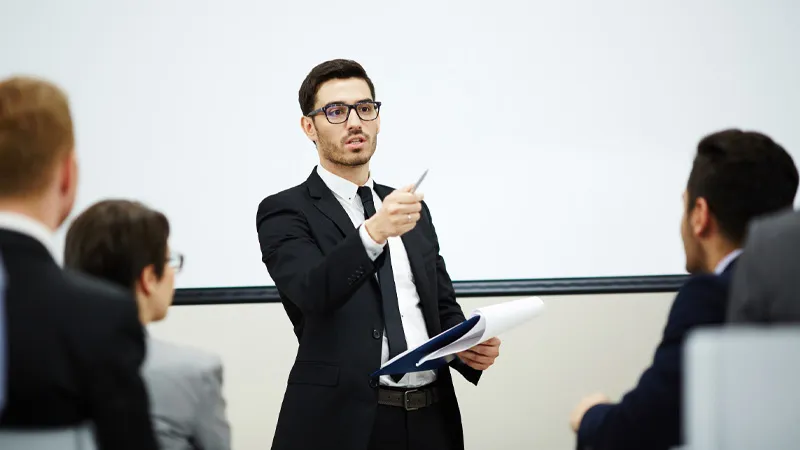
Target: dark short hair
x=35 y=132
x=329 y=70
x=116 y=239
x=741 y=175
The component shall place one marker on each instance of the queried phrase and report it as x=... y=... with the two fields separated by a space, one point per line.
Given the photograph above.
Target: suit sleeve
x=649 y=415
x=314 y=282
x=120 y=403
x=212 y=430
x=450 y=312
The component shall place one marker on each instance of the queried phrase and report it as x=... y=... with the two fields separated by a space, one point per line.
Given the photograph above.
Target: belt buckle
x=406 y=400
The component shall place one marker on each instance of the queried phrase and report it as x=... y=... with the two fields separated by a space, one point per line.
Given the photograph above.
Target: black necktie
x=391 y=309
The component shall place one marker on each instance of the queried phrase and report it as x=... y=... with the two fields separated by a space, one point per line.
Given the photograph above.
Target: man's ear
x=68 y=173
x=148 y=279
x=700 y=220
x=307 y=123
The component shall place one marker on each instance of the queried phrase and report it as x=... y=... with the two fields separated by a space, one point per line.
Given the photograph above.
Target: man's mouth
x=355 y=142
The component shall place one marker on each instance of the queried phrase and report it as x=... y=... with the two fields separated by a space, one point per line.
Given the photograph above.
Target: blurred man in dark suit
x=736 y=176
x=75 y=344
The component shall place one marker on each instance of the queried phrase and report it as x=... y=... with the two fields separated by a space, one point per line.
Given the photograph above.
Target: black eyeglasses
x=337 y=113
x=175 y=261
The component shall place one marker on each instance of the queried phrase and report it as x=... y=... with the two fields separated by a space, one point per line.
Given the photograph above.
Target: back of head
x=741 y=175
x=35 y=134
x=116 y=239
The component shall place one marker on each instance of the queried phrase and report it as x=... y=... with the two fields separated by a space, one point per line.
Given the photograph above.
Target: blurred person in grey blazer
x=126 y=243
x=766 y=285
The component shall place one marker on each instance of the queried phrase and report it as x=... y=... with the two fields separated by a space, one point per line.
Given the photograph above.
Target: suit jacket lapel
x=325 y=201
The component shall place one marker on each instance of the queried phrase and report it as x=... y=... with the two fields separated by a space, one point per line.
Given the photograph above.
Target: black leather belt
x=408 y=399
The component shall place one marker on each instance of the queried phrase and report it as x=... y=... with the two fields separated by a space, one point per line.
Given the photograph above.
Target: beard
x=335 y=152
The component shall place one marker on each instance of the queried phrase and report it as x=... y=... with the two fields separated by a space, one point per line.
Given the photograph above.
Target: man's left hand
x=584 y=405
x=481 y=356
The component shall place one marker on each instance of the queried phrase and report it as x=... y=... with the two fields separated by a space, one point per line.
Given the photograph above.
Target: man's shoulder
x=702 y=300
x=95 y=297
x=289 y=197
x=188 y=363
x=703 y=285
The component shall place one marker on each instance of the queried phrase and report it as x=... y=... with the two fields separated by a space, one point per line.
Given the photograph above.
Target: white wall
x=562 y=117
x=580 y=345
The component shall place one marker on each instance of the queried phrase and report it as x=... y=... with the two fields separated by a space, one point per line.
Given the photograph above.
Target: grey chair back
x=78 y=438
x=742 y=388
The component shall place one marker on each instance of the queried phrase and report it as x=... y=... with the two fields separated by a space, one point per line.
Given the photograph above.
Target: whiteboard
x=559 y=135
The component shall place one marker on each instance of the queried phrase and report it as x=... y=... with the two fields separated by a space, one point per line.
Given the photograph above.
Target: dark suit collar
x=341 y=187
x=15 y=242
x=727 y=263
x=32 y=228
x=726 y=275
x=326 y=202
x=382 y=190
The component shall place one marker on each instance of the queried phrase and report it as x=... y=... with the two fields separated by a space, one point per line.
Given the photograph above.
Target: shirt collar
x=23 y=224
x=727 y=260
x=343 y=188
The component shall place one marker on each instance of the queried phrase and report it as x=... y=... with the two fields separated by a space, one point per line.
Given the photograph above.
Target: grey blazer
x=766 y=282
x=186 y=403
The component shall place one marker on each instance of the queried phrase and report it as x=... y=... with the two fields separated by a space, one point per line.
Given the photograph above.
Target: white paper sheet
x=494 y=320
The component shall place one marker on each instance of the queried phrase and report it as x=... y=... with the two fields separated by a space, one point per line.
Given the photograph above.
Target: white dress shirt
x=414 y=327
x=30 y=227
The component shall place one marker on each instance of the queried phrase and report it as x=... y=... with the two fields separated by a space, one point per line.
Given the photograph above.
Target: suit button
x=373 y=383
x=376 y=334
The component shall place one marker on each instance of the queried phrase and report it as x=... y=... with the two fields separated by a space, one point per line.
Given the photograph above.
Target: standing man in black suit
x=358 y=269
x=75 y=345
x=736 y=176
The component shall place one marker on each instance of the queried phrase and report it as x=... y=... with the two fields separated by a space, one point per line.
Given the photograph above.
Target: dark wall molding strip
x=488 y=288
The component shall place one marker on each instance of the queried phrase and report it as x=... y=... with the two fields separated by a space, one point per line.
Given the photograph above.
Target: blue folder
x=408 y=362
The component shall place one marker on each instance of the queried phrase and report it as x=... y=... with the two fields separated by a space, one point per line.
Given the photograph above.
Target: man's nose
x=353 y=121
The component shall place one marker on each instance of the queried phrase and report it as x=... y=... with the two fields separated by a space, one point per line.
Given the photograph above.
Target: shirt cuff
x=373 y=248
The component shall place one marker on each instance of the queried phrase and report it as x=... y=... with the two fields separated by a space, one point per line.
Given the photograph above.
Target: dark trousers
x=421 y=429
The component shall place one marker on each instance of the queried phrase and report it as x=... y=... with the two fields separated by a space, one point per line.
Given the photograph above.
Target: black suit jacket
x=75 y=346
x=326 y=281
x=649 y=416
